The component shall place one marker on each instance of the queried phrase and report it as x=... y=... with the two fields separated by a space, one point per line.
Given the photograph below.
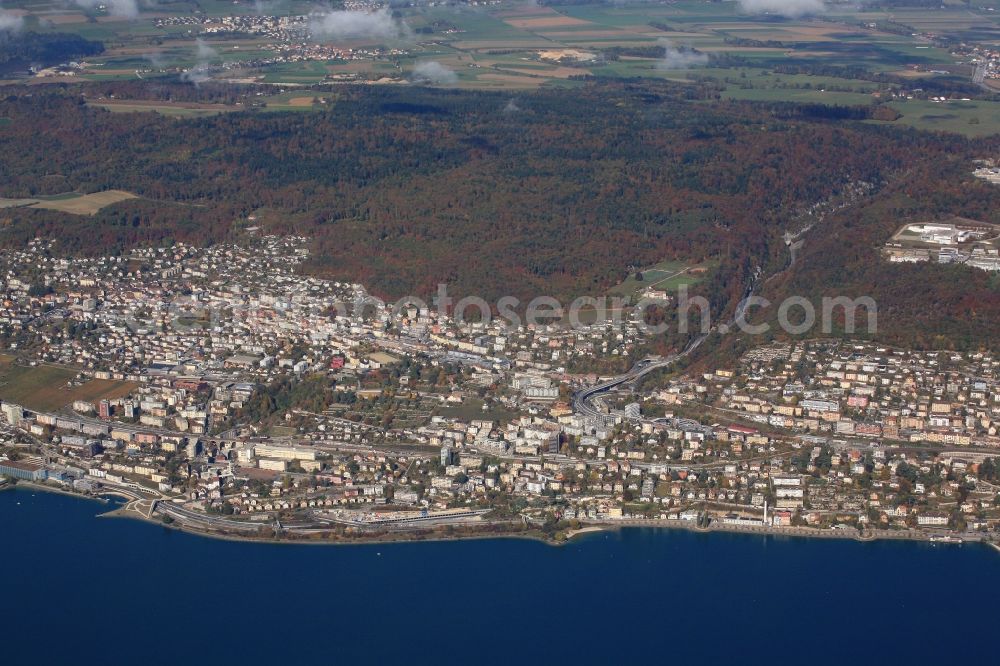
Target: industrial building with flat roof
x=25 y=471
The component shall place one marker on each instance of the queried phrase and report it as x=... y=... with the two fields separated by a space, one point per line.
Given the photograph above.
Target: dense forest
x=564 y=192
x=21 y=50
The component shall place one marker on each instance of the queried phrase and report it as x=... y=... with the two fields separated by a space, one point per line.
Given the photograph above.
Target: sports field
x=665 y=275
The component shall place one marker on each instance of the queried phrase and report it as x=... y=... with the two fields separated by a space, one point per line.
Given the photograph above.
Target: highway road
x=581 y=400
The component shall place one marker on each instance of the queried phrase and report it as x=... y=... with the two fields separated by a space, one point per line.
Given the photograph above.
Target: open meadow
x=51 y=388
x=83 y=204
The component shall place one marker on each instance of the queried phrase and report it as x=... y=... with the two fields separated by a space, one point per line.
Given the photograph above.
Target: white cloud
x=431 y=71
x=201 y=72
x=121 y=8
x=10 y=22
x=357 y=25
x=786 y=8
x=155 y=59
x=267 y=7
x=204 y=51
x=196 y=75
x=680 y=58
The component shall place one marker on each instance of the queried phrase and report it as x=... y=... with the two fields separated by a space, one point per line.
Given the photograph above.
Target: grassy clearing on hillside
x=16 y=203
x=176 y=110
x=667 y=275
x=298 y=100
x=83 y=204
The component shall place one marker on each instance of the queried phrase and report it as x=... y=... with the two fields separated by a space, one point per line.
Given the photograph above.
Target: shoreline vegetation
x=489 y=530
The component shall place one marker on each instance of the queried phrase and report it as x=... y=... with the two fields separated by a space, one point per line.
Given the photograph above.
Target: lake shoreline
x=467 y=532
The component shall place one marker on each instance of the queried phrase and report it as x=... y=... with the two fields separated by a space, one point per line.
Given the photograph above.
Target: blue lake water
x=85 y=590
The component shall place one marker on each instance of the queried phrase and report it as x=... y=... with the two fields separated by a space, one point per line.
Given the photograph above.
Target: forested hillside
x=559 y=192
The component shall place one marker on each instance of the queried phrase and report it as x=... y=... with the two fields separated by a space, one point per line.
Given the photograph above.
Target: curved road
x=581 y=399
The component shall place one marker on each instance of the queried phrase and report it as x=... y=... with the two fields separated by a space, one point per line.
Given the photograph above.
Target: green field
x=172 y=110
x=501 y=47
x=666 y=275
x=46 y=387
x=799 y=95
x=42 y=387
x=472 y=408
x=972 y=118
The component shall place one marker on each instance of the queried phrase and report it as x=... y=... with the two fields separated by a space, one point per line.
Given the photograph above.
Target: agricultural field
x=833 y=57
x=171 y=109
x=971 y=118
x=16 y=203
x=71 y=202
x=96 y=390
x=50 y=388
x=297 y=101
